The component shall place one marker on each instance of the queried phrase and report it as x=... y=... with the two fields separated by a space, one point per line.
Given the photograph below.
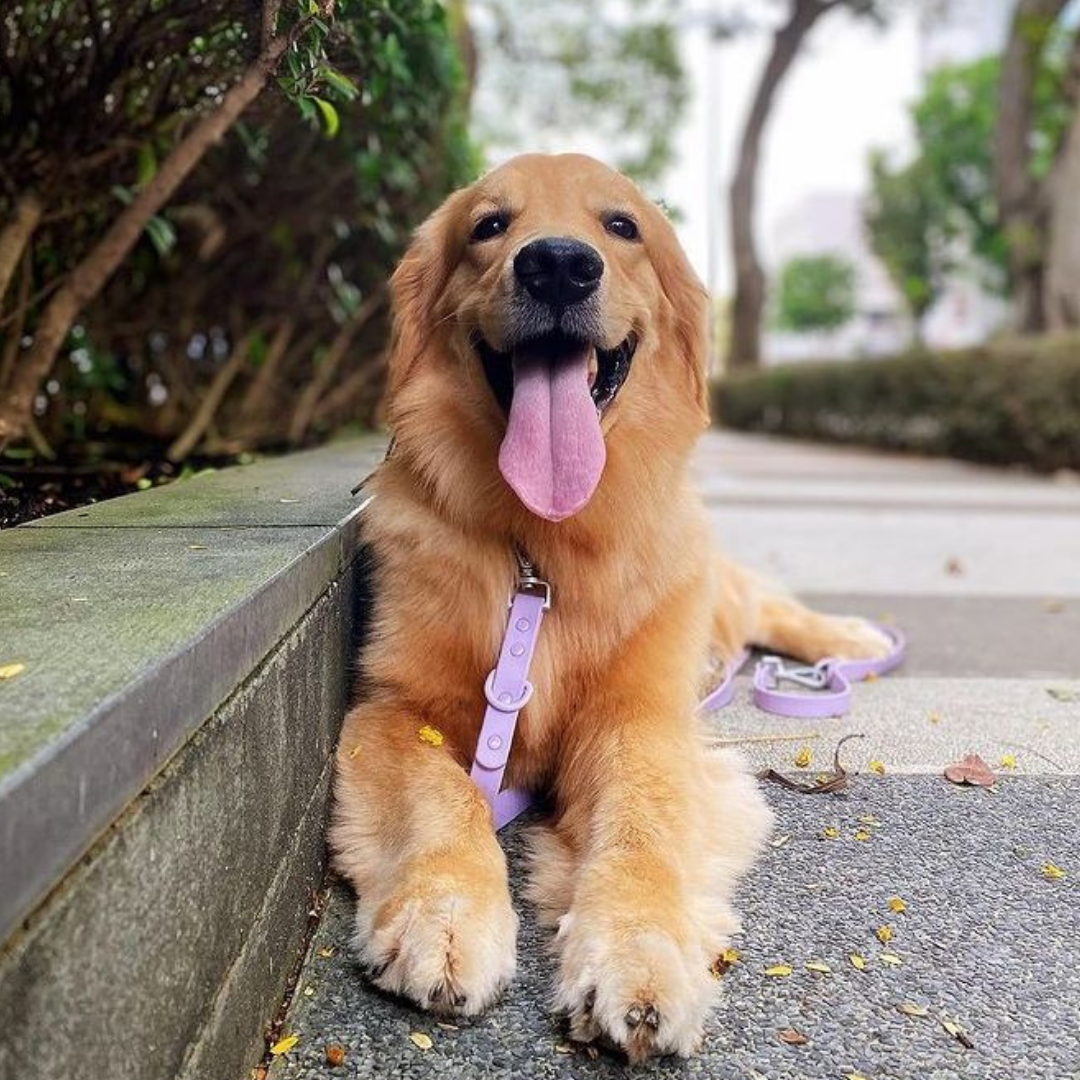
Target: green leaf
x=161 y=234
x=345 y=87
x=331 y=120
x=146 y=165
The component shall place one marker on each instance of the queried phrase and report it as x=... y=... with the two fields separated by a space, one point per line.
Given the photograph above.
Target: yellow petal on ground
x=869 y=819
x=420 y=1040
x=326 y=952
x=876 y=766
x=431 y=736
x=896 y=905
x=722 y=964
x=823 y=777
x=913 y=1010
x=819 y=966
x=857 y=962
x=862 y=834
x=778 y=971
x=884 y=934
x=854 y=1076
x=804 y=757
x=283 y=1046
x=890 y=958
x=1051 y=872
x=9 y=671
x=1008 y=761
x=934 y=717
x=830 y=832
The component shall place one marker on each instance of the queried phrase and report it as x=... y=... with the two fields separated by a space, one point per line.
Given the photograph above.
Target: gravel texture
x=986 y=940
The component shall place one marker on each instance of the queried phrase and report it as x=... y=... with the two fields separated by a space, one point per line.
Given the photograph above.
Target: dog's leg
x=658 y=832
x=414 y=835
x=754 y=611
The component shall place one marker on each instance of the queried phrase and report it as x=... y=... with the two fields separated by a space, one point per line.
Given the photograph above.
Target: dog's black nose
x=558 y=270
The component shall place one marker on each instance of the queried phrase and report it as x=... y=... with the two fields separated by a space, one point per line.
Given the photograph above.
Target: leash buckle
x=812 y=676
x=528 y=580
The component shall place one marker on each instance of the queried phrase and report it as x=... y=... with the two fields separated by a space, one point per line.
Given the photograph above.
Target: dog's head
x=549 y=309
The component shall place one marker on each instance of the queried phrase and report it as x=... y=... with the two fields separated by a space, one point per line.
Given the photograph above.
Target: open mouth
x=608 y=368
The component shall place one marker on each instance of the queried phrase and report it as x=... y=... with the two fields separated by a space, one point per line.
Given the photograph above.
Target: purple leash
x=508 y=690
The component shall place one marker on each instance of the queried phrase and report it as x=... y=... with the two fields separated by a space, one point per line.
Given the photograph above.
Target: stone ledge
x=136 y=619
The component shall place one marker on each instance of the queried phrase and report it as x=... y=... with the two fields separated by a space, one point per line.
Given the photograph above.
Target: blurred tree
x=609 y=71
x=744 y=349
x=935 y=213
x=1022 y=197
x=815 y=292
x=908 y=228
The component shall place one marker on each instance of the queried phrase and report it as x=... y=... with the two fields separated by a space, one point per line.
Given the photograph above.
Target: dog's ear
x=416 y=287
x=689 y=301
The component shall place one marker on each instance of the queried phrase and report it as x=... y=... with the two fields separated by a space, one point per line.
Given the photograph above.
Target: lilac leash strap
x=508 y=690
x=829 y=681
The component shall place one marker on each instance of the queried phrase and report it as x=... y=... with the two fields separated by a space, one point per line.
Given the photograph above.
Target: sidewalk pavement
x=982 y=570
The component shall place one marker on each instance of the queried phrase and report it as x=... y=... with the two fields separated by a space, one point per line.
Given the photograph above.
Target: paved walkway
x=982 y=569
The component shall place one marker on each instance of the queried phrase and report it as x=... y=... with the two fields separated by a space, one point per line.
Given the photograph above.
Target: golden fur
x=651 y=830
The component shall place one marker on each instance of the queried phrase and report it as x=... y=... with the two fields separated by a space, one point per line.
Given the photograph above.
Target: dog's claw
x=652 y=1017
x=634 y=1016
x=590 y=1000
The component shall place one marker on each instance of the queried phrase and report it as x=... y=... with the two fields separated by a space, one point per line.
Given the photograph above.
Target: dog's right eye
x=488 y=226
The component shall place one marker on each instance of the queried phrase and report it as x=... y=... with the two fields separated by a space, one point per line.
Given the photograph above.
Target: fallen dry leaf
x=970 y=770
x=335 y=1055
x=933 y=716
x=954 y=567
x=420 y=1040
x=326 y=952
x=283 y=1046
x=957 y=1032
x=431 y=736
x=309 y=991
x=9 y=671
x=1053 y=607
x=819 y=966
x=563 y=1048
x=1051 y=872
x=857 y=962
x=824 y=783
x=868 y=819
x=854 y=1076
x=288 y=500
x=803 y=758
x=830 y=832
x=1063 y=693
x=896 y=905
x=793 y=1037
x=912 y=1010
x=890 y=958
x=780 y=841
x=877 y=767
x=884 y=934
x=724 y=962
x=447 y=1027
x=778 y=971
x=862 y=834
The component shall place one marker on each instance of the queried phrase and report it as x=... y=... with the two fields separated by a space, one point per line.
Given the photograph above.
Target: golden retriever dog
x=547 y=384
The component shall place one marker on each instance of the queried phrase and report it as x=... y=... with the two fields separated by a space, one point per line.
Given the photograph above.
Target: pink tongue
x=553 y=452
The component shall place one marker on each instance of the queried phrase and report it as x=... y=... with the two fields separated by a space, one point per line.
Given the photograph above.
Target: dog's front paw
x=634 y=988
x=446 y=946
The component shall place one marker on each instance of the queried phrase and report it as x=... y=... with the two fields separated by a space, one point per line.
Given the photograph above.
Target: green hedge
x=1011 y=402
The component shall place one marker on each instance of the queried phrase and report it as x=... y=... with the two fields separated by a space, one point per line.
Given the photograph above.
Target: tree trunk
x=1020 y=197
x=1061 y=284
x=744 y=349
x=90 y=275
x=15 y=236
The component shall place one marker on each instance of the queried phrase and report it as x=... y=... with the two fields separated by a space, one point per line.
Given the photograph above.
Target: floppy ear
x=415 y=289
x=689 y=301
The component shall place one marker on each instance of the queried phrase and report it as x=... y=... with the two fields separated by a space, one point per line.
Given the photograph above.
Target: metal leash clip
x=528 y=581
x=774 y=671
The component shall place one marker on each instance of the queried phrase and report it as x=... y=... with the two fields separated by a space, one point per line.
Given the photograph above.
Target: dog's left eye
x=622 y=226
x=488 y=226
